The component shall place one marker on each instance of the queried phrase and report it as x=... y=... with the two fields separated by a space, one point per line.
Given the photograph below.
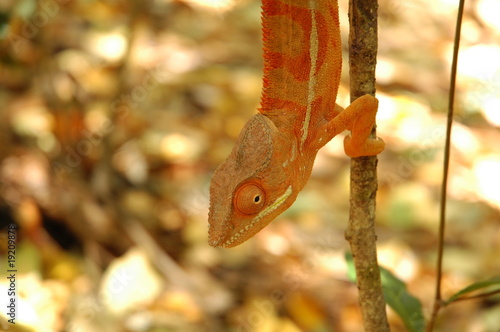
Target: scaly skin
x=274 y=154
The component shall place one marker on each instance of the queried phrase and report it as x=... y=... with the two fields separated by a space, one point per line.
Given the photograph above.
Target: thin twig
x=438 y=302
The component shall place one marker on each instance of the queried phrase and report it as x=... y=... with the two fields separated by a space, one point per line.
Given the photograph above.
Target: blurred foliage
x=396 y=295
x=113 y=114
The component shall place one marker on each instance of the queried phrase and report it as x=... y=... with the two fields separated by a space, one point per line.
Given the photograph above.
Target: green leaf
x=473 y=287
x=351 y=270
x=402 y=302
x=397 y=297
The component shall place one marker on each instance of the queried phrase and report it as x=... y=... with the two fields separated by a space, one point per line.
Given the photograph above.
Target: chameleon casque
x=274 y=154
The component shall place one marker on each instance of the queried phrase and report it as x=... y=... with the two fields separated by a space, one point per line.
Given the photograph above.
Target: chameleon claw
x=371 y=147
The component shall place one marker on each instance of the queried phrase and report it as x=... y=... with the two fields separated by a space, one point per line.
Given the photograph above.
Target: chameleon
x=275 y=151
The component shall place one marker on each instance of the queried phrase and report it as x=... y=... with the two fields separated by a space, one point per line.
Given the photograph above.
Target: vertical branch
x=361 y=230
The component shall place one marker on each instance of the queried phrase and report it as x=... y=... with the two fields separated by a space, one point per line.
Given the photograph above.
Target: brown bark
x=361 y=230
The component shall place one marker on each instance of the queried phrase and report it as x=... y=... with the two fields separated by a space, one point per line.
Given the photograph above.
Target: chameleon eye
x=249 y=199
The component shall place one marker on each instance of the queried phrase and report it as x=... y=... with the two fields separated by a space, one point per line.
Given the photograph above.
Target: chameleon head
x=252 y=186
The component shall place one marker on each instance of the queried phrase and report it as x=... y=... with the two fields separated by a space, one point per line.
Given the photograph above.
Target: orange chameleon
x=274 y=154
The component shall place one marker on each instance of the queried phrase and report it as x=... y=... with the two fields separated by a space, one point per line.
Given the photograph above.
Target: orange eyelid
x=249 y=199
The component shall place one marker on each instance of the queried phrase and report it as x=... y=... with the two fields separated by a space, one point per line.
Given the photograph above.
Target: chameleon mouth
x=215 y=239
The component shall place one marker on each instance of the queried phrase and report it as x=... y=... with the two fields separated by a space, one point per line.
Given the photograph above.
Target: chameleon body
x=274 y=154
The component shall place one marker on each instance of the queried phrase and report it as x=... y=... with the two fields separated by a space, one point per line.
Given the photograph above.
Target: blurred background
x=114 y=114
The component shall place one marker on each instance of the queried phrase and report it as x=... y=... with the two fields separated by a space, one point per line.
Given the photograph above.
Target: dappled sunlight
x=487 y=10
x=32 y=120
x=486 y=171
x=129 y=282
x=479 y=61
x=177 y=147
x=407 y=121
x=110 y=46
x=491 y=110
x=215 y=5
x=464 y=141
x=398 y=257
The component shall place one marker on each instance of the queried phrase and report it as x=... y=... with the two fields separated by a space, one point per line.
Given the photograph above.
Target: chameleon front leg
x=359 y=118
